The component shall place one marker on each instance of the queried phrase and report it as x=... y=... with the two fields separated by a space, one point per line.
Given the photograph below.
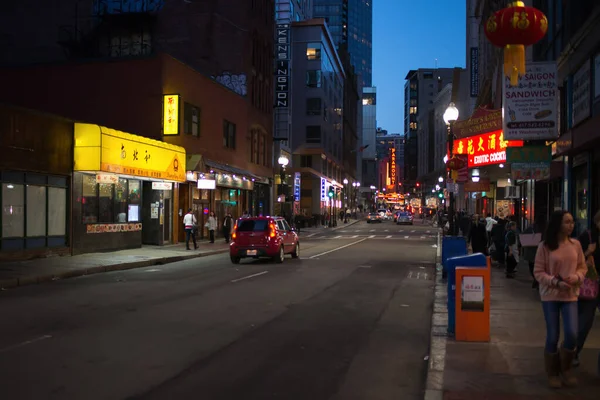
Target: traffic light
x=330 y=194
x=418 y=184
x=441 y=194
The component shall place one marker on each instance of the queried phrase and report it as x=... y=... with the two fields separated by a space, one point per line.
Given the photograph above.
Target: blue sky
x=409 y=35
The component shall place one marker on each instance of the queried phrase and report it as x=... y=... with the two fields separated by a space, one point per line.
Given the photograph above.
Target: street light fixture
x=345 y=181
x=283 y=161
x=450 y=117
x=441 y=179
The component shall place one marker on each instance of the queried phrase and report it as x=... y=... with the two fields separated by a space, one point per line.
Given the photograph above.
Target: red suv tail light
x=272 y=230
x=234 y=234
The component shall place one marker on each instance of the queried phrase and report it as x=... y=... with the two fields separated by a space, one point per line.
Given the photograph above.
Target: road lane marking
x=25 y=343
x=401 y=230
x=388 y=237
x=250 y=276
x=353 y=237
x=358 y=230
x=344 y=231
x=387 y=230
x=371 y=236
x=337 y=237
x=372 y=230
x=423 y=237
x=311 y=235
x=405 y=237
x=339 y=248
x=413 y=231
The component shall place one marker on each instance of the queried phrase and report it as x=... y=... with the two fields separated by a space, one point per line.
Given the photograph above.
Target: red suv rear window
x=253 y=225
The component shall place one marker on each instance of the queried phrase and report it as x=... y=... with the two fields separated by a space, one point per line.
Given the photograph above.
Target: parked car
x=404 y=217
x=258 y=237
x=373 y=217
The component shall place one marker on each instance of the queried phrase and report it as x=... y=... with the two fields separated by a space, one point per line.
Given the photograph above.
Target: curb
x=33 y=280
x=434 y=385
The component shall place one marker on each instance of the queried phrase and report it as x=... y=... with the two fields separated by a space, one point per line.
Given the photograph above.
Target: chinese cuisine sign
x=487 y=149
x=530 y=108
x=171 y=114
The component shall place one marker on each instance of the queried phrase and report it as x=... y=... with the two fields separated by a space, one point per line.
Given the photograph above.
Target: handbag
x=590 y=287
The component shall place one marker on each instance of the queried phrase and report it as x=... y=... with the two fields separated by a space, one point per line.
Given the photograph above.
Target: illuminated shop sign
x=486 y=149
x=323 y=189
x=393 y=167
x=171 y=114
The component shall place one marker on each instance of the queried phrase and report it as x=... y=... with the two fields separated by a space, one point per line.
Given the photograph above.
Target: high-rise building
x=420 y=89
x=351 y=26
x=368 y=155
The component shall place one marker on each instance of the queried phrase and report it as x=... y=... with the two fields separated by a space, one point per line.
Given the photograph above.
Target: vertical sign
x=282 y=65
x=474 y=61
x=323 y=189
x=171 y=114
x=530 y=109
x=393 y=174
x=581 y=93
x=297 y=183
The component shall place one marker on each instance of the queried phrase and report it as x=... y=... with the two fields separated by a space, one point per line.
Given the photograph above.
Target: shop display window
x=110 y=202
x=35 y=209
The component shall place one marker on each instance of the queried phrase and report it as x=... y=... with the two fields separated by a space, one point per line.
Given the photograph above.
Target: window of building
x=306 y=161
x=313 y=134
x=313 y=51
x=313 y=78
x=413 y=126
x=228 y=134
x=34 y=211
x=110 y=202
x=427 y=75
x=413 y=110
x=191 y=120
x=313 y=106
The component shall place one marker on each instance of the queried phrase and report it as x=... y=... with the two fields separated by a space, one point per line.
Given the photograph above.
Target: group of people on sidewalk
x=563 y=270
x=190 y=223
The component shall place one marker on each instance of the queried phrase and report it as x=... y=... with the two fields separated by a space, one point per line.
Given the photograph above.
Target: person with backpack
x=190 y=224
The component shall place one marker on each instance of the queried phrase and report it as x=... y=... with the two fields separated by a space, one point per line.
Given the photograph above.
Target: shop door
x=167 y=221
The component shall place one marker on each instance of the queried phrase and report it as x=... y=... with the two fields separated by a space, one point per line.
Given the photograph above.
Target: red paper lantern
x=455 y=163
x=513 y=28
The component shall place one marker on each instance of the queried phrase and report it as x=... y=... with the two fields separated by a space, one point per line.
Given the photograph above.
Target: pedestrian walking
x=227 y=226
x=477 y=236
x=589 y=297
x=190 y=224
x=560 y=268
x=211 y=225
x=512 y=249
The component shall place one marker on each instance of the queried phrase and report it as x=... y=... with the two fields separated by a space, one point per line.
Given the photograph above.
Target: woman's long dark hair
x=553 y=229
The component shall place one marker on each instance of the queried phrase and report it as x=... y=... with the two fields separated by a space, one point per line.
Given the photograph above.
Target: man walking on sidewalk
x=190 y=224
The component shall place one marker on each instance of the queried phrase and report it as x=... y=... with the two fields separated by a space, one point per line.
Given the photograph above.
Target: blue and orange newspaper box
x=473 y=261
x=473 y=303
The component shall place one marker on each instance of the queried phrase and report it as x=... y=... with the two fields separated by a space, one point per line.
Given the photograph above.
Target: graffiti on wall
x=237 y=83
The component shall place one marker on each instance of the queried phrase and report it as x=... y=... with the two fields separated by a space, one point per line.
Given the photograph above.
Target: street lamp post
x=283 y=161
x=333 y=219
x=450 y=117
x=344 y=201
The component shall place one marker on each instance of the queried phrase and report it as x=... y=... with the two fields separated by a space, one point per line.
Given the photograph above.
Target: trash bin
x=477 y=260
x=452 y=246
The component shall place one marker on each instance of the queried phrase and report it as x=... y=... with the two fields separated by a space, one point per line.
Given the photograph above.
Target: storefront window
x=13 y=207
x=581 y=198
x=57 y=203
x=110 y=203
x=36 y=211
x=135 y=199
x=89 y=200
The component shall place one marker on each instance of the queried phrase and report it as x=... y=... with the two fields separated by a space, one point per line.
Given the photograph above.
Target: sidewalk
x=510 y=366
x=20 y=273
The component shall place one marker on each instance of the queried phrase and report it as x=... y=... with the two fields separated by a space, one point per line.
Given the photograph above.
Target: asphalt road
x=348 y=320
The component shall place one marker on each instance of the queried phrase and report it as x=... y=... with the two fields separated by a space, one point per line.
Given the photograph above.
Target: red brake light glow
x=271 y=230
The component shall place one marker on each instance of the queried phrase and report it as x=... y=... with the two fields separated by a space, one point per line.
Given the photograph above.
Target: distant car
x=373 y=217
x=257 y=237
x=404 y=217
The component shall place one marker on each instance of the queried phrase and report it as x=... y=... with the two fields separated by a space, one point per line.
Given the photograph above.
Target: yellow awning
x=98 y=148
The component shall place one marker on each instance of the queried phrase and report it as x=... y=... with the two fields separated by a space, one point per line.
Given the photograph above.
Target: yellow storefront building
x=124 y=189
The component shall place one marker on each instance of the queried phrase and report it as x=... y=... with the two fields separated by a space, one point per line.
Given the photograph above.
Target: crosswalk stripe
x=388 y=237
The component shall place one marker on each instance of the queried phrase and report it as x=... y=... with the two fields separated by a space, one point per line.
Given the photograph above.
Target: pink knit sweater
x=565 y=261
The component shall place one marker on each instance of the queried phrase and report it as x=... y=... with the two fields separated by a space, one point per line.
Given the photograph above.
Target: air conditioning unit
x=511 y=192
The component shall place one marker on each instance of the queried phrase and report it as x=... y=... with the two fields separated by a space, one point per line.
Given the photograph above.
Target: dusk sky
x=410 y=35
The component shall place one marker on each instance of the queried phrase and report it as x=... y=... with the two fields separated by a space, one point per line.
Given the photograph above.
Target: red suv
x=263 y=237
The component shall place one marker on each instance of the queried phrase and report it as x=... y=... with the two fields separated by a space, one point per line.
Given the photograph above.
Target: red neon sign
x=486 y=149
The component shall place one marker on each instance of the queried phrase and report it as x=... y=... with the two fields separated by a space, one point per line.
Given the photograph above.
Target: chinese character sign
x=171 y=114
x=486 y=149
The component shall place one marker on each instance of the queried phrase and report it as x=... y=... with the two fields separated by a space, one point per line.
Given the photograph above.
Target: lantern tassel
x=514 y=62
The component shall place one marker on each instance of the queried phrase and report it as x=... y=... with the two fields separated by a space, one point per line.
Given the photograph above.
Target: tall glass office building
x=351 y=24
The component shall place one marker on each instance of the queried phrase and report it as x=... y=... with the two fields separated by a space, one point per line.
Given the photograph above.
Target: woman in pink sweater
x=560 y=269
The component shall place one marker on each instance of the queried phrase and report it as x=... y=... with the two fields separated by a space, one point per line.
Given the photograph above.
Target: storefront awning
x=232 y=170
x=101 y=149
